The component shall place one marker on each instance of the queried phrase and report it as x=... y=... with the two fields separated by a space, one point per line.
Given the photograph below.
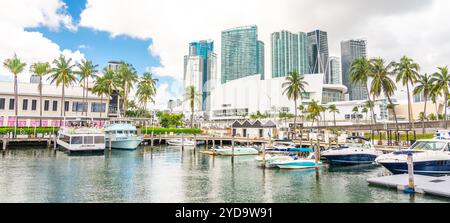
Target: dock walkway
x=439 y=186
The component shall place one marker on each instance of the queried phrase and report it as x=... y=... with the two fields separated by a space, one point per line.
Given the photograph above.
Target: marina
x=171 y=174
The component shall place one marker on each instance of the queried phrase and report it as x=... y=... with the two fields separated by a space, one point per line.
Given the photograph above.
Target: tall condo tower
x=351 y=50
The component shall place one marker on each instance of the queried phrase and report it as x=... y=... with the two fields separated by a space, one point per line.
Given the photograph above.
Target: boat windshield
x=358 y=145
x=429 y=145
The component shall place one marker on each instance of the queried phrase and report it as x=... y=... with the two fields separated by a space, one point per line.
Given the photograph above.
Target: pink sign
x=11 y=121
x=44 y=123
x=22 y=123
x=56 y=123
x=1 y=121
x=34 y=123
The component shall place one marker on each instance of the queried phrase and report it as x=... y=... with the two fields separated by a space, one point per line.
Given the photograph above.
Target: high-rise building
x=203 y=49
x=289 y=52
x=241 y=53
x=260 y=59
x=193 y=76
x=211 y=77
x=351 y=50
x=334 y=76
x=318 y=51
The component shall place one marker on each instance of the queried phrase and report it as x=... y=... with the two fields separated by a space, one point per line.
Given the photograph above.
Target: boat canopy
x=358 y=137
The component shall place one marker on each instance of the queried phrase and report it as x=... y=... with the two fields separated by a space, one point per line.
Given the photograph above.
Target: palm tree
x=332 y=108
x=15 y=66
x=424 y=87
x=355 y=111
x=86 y=70
x=106 y=84
x=360 y=71
x=192 y=96
x=365 y=110
x=407 y=72
x=40 y=69
x=382 y=82
x=127 y=76
x=442 y=80
x=434 y=94
x=63 y=75
x=293 y=88
x=313 y=110
x=146 y=89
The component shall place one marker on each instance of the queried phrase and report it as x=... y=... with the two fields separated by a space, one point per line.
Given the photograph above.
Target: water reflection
x=172 y=174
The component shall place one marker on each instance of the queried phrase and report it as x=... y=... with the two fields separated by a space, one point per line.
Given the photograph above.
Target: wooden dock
x=438 y=186
x=20 y=141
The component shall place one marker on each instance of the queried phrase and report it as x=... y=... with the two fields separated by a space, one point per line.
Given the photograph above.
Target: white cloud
x=31 y=47
x=393 y=28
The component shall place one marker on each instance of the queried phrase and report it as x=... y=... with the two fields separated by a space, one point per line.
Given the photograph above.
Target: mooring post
x=182 y=140
x=221 y=140
x=213 y=143
x=232 y=149
x=264 y=154
x=151 y=139
x=110 y=142
x=159 y=138
x=4 y=144
x=248 y=140
x=195 y=142
x=54 y=142
x=411 y=185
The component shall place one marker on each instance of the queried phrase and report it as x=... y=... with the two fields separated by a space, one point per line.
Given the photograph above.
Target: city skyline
x=48 y=28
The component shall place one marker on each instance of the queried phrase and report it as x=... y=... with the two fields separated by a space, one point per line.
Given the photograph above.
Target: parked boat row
x=79 y=135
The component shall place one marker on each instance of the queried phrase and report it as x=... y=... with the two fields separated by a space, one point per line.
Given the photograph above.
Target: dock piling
x=4 y=144
x=264 y=154
x=151 y=139
x=182 y=141
x=411 y=185
x=109 y=143
x=232 y=149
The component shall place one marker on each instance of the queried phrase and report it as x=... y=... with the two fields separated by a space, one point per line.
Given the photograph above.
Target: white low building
x=29 y=104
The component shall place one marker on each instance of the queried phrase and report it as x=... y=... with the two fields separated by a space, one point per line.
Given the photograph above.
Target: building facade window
x=46 y=105
x=79 y=106
x=55 y=106
x=98 y=107
x=2 y=103
x=11 y=104
x=66 y=106
x=33 y=105
x=25 y=104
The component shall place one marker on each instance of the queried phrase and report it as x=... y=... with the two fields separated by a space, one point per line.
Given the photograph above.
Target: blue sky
x=101 y=47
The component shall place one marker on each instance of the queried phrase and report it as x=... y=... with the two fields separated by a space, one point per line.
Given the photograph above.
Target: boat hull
x=353 y=159
x=237 y=152
x=297 y=164
x=435 y=167
x=130 y=144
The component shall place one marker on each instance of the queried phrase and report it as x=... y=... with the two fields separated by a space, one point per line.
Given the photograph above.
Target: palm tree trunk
x=84 y=98
x=373 y=112
x=87 y=93
x=334 y=118
x=63 y=111
x=295 y=119
x=371 y=108
x=395 y=114
x=16 y=98
x=409 y=107
x=101 y=105
x=445 y=108
x=40 y=101
x=192 y=118
x=424 y=114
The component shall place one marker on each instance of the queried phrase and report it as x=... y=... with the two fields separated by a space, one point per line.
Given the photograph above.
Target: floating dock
x=438 y=186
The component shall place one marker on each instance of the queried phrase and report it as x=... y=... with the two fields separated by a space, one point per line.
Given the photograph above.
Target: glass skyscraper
x=203 y=49
x=335 y=71
x=318 y=52
x=289 y=52
x=242 y=53
x=351 y=50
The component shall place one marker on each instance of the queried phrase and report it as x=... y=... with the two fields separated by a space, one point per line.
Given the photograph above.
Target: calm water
x=168 y=174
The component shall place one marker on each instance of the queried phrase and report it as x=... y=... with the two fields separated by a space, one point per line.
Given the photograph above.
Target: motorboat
x=122 y=134
x=298 y=163
x=281 y=147
x=80 y=135
x=238 y=150
x=181 y=142
x=358 y=150
x=272 y=160
x=430 y=157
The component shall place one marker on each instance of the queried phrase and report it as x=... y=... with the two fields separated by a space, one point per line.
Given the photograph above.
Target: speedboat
x=352 y=153
x=80 y=136
x=181 y=142
x=281 y=147
x=298 y=163
x=122 y=134
x=238 y=150
x=274 y=159
x=430 y=157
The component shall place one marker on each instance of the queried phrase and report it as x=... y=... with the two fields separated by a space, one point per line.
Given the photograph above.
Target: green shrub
x=28 y=130
x=161 y=130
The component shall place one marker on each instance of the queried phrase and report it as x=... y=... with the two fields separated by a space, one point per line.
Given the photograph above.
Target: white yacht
x=179 y=142
x=123 y=135
x=80 y=135
x=353 y=152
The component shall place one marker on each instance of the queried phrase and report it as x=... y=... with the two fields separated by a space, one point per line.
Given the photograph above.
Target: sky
x=153 y=35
